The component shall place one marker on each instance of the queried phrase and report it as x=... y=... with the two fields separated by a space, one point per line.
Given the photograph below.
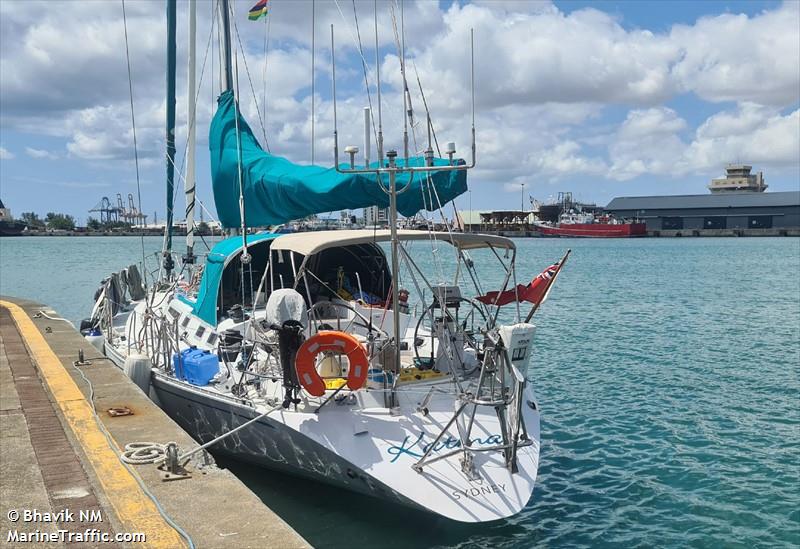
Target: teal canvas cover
x=277 y=191
x=205 y=306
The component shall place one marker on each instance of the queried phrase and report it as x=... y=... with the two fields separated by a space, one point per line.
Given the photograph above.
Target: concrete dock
x=61 y=478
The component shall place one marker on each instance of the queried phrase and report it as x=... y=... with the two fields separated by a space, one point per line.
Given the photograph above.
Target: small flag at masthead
x=258 y=11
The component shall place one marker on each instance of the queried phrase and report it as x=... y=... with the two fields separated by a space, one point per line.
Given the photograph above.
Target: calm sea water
x=668 y=371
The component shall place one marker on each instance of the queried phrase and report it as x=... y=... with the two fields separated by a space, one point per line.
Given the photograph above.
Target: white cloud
x=751 y=133
x=647 y=142
x=531 y=58
x=566 y=159
x=76 y=58
x=736 y=58
x=655 y=141
x=544 y=83
x=5 y=154
x=40 y=153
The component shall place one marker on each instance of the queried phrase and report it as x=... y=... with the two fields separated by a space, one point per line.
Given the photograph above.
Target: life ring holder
x=330 y=340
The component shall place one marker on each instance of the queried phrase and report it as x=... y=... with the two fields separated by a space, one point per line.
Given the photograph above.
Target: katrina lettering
x=416 y=448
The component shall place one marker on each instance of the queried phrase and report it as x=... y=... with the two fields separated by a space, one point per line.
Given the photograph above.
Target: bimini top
x=220 y=255
x=316 y=241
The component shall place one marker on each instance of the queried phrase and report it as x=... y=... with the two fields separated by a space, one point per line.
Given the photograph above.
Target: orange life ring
x=330 y=340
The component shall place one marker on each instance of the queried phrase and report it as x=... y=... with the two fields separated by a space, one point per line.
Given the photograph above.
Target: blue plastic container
x=376 y=376
x=197 y=367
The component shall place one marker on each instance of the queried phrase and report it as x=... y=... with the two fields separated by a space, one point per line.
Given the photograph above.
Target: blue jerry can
x=198 y=368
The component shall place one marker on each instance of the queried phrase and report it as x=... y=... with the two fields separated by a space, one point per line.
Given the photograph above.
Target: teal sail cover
x=277 y=190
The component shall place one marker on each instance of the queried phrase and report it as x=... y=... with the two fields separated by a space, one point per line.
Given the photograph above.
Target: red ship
x=587 y=225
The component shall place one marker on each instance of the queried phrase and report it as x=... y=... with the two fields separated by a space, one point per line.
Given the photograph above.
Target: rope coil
x=141 y=453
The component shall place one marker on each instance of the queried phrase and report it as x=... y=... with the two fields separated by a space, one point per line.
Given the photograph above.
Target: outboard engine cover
x=286 y=304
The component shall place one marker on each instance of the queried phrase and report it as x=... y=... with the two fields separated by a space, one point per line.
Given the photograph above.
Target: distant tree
x=203 y=228
x=93 y=224
x=59 y=221
x=32 y=220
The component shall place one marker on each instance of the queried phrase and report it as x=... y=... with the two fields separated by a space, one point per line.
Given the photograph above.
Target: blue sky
x=604 y=99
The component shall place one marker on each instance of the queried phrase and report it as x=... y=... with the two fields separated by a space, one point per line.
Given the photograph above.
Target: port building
x=746 y=210
x=736 y=202
x=738 y=179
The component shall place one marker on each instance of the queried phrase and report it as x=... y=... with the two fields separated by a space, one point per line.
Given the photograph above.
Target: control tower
x=738 y=179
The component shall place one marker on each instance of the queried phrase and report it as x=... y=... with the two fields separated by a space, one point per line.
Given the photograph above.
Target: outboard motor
x=290 y=337
x=286 y=315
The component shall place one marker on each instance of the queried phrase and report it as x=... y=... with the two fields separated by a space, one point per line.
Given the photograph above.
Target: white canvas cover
x=286 y=304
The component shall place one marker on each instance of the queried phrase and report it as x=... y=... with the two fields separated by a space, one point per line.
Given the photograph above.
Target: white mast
x=189 y=182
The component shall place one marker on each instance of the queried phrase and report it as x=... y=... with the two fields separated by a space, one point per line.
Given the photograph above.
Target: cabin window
x=212 y=338
x=200 y=331
x=173 y=313
x=185 y=322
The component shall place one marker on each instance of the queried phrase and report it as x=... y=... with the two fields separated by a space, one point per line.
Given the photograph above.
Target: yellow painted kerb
x=135 y=510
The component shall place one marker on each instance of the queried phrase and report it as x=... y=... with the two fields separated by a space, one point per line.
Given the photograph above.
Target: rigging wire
x=400 y=44
x=313 y=51
x=361 y=54
x=264 y=76
x=366 y=79
x=399 y=40
x=250 y=80
x=237 y=113
x=427 y=110
x=214 y=25
x=133 y=125
x=197 y=97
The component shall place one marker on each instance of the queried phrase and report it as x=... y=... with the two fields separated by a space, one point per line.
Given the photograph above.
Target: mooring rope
x=140 y=453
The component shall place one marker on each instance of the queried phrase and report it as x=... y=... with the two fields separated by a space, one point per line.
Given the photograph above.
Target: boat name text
x=416 y=448
x=479 y=491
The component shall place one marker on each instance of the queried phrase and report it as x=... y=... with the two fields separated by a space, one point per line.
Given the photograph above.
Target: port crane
x=111 y=213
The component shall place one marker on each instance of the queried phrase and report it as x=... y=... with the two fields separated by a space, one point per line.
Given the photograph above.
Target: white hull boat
x=400 y=441
x=305 y=353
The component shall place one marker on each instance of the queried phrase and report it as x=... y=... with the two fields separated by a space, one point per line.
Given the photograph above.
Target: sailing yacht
x=335 y=355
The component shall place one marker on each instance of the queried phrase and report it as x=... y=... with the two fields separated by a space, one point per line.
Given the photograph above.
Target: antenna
x=392 y=168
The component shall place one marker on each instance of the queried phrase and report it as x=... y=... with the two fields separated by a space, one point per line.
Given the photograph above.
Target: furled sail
x=277 y=191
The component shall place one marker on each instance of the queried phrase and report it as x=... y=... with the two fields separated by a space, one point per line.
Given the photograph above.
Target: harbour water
x=668 y=373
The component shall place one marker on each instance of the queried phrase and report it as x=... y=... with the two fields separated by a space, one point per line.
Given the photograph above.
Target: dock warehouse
x=744 y=210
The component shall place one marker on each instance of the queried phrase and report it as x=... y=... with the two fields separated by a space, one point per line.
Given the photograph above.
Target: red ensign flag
x=535 y=292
